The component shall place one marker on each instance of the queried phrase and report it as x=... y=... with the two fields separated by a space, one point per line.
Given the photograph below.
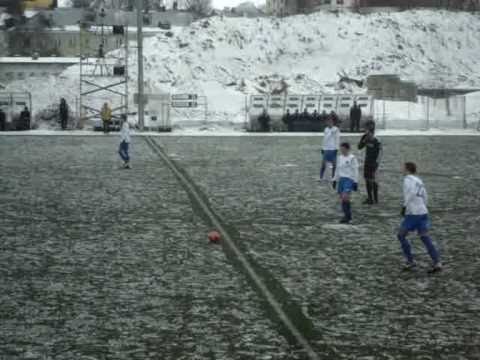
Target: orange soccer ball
x=214 y=237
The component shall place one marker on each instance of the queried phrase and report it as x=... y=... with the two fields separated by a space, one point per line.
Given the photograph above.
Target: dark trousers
x=3 y=125
x=106 y=126
x=354 y=125
x=64 y=123
x=369 y=173
x=123 y=151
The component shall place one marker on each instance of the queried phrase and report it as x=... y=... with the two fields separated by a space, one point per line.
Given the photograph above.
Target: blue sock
x=322 y=170
x=432 y=251
x=406 y=247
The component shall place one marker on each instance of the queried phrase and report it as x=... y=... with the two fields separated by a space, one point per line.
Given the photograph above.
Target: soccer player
x=416 y=218
x=331 y=142
x=373 y=154
x=347 y=178
x=124 y=144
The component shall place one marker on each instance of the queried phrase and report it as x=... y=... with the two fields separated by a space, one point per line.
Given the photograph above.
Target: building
x=58 y=32
x=22 y=68
x=290 y=7
x=66 y=42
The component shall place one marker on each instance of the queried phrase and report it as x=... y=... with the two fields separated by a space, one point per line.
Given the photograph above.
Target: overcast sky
x=220 y=4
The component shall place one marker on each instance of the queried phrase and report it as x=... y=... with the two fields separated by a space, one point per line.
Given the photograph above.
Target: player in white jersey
x=347 y=178
x=124 y=144
x=416 y=218
x=331 y=143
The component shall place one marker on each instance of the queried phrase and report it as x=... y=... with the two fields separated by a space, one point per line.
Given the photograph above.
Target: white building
x=291 y=7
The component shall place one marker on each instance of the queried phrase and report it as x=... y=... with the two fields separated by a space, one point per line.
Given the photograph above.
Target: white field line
x=245 y=264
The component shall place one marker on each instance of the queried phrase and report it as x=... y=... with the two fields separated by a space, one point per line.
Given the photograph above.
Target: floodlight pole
x=141 y=102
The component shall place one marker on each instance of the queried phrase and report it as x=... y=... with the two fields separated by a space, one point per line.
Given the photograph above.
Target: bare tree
x=199 y=7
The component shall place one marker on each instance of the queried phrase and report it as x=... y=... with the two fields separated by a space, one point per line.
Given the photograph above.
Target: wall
x=64 y=43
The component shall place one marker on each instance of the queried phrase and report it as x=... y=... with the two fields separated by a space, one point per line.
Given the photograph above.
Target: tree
x=199 y=7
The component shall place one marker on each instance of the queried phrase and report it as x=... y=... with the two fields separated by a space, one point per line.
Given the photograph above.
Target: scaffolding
x=103 y=73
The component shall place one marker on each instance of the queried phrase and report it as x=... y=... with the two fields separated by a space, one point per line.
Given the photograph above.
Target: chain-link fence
x=455 y=112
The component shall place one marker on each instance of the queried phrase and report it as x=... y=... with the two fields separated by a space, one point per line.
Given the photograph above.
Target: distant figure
x=3 y=120
x=106 y=115
x=25 y=119
x=323 y=119
x=288 y=120
x=315 y=116
x=124 y=144
x=305 y=115
x=264 y=121
x=355 y=117
x=295 y=118
x=175 y=5
x=63 y=113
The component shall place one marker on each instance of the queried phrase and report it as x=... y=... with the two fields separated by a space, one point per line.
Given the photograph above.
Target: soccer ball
x=214 y=237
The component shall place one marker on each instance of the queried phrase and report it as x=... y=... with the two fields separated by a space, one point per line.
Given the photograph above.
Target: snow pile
x=226 y=59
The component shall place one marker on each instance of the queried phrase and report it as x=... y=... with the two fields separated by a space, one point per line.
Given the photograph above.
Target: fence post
x=384 y=116
x=465 y=125
x=428 y=113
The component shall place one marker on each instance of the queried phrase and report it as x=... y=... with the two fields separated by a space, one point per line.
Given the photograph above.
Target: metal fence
x=453 y=112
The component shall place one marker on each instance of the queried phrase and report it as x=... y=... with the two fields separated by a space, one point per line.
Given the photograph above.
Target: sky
x=220 y=4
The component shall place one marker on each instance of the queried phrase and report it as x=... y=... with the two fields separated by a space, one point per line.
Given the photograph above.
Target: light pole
x=141 y=100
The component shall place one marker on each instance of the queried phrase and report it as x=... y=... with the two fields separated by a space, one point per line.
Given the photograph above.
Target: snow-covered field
x=227 y=59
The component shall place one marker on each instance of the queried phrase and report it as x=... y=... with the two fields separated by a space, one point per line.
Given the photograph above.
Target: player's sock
x=322 y=170
x=375 y=192
x=334 y=167
x=406 y=247
x=347 y=210
x=368 y=185
x=432 y=251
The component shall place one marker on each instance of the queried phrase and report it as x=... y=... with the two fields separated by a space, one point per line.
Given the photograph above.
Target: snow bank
x=226 y=59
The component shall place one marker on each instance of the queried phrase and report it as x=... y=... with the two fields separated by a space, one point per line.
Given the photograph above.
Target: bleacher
x=277 y=106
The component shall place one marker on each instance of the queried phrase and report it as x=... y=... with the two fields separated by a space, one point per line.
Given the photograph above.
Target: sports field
x=102 y=263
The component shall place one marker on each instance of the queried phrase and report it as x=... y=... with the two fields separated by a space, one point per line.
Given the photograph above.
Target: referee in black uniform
x=373 y=153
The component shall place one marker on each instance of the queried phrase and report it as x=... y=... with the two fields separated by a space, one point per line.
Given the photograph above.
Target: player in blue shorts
x=416 y=218
x=346 y=180
x=331 y=142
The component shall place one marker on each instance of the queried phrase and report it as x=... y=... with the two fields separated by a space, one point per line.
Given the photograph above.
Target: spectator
x=288 y=120
x=63 y=113
x=323 y=119
x=264 y=121
x=316 y=116
x=25 y=119
x=355 y=117
x=306 y=116
x=106 y=115
x=3 y=120
x=296 y=118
